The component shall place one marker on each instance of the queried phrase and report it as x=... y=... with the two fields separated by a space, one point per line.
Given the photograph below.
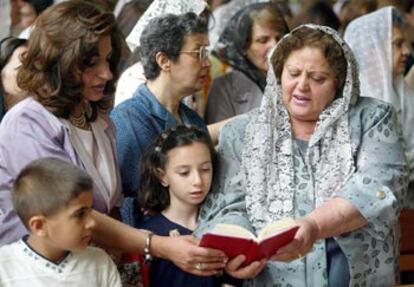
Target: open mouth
x=99 y=88
x=301 y=100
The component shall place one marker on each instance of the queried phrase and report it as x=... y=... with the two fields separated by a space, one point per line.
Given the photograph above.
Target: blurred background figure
x=129 y=15
x=222 y=15
x=244 y=46
x=10 y=18
x=377 y=39
x=29 y=11
x=5 y=16
x=214 y=4
x=352 y=9
x=11 y=50
x=317 y=12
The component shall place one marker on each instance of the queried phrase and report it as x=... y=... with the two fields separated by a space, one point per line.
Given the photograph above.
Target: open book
x=235 y=240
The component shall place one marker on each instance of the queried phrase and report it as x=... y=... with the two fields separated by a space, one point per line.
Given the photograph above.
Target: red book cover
x=253 y=248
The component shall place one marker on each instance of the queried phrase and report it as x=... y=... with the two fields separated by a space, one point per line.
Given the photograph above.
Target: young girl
x=176 y=175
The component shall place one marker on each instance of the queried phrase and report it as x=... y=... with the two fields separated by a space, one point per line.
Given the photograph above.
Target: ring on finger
x=199 y=266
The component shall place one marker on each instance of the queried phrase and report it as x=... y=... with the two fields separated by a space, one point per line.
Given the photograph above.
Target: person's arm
x=226 y=200
x=370 y=198
x=182 y=250
x=214 y=129
x=335 y=217
x=332 y=218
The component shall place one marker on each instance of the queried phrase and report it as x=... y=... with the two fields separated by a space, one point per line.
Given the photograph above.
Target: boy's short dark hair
x=47 y=185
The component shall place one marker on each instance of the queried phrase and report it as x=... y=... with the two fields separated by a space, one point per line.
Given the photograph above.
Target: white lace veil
x=268 y=153
x=370 y=38
x=159 y=8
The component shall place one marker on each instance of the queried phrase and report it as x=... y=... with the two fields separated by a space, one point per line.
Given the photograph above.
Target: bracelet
x=147 y=248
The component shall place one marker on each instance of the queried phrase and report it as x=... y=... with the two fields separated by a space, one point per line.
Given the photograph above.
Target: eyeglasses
x=202 y=53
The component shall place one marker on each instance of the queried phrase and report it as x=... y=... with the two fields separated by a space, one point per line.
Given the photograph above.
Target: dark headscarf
x=7 y=47
x=236 y=38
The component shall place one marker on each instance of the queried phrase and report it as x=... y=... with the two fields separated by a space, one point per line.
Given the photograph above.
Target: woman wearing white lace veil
x=317 y=152
x=380 y=48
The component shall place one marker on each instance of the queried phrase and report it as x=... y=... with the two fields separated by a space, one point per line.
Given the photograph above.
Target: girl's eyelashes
x=183 y=172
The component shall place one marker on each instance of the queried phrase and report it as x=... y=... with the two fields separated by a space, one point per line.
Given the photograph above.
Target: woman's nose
x=303 y=83
x=205 y=63
x=105 y=72
x=406 y=49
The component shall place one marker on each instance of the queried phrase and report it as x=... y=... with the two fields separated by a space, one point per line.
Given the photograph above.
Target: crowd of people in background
x=128 y=129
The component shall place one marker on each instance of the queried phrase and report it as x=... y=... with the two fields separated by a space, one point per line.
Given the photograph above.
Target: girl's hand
x=234 y=268
x=188 y=256
x=304 y=239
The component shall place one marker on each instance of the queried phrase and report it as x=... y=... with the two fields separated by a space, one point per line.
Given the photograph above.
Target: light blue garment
x=337 y=264
x=374 y=189
x=138 y=122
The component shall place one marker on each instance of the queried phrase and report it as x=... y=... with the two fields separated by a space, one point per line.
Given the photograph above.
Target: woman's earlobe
x=163 y=61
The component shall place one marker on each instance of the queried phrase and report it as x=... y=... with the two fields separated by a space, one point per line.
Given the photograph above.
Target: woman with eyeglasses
x=133 y=75
x=173 y=55
x=11 y=50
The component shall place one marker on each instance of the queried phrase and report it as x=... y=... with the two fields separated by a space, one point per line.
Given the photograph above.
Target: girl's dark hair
x=60 y=47
x=152 y=195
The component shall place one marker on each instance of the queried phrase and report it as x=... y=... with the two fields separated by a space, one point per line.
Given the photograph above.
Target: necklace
x=81 y=119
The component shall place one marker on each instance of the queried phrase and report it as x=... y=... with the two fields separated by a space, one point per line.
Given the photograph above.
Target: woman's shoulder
x=234 y=78
x=30 y=112
x=233 y=131
x=29 y=116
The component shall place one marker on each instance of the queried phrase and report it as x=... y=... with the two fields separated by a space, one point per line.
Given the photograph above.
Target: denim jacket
x=139 y=121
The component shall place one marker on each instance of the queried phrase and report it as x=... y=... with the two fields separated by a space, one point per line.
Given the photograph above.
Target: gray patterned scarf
x=268 y=153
